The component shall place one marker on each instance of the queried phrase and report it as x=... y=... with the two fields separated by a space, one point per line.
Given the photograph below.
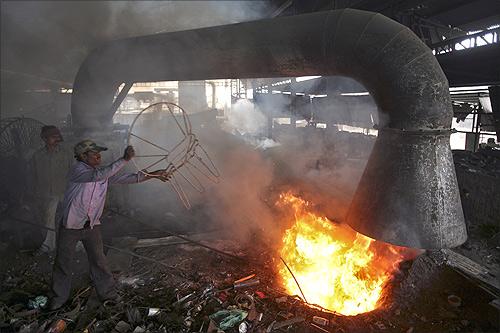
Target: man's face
x=92 y=158
x=53 y=140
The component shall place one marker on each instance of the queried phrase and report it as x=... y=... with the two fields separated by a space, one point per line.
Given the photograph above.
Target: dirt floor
x=188 y=288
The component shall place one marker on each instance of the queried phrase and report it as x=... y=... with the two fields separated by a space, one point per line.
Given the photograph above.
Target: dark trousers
x=100 y=273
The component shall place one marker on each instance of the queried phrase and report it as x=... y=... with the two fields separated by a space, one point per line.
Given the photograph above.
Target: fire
x=336 y=267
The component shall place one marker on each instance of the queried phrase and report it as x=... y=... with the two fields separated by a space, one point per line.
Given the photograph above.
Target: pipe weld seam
x=362 y=33
x=426 y=52
x=393 y=38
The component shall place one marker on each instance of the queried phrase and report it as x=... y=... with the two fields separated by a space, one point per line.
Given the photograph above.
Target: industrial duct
x=408 y=194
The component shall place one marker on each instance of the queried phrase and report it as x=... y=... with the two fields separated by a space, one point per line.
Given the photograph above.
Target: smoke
x=322 y=169
x=323 y=165
x=250 y=121
x=245 y=118
x=238 y=202
x=50 y=39
x=253 y=156
x=43 y=43
x=166 y=16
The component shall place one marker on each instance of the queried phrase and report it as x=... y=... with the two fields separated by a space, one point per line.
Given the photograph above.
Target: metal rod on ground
x=297 y=282
x=154 y=228
x=139 y=256
x=105 y=245
x=319 y=328
x=179 y=236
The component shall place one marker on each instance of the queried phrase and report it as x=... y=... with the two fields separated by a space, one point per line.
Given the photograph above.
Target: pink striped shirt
x=86 y=191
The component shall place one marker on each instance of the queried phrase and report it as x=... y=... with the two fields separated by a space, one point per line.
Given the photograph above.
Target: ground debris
x=207 y=292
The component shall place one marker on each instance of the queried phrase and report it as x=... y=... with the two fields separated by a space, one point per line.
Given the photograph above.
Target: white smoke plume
x=245 y=118
x=323 y=165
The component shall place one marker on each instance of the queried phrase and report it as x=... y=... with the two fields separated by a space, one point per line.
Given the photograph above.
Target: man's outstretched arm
x=82 y=173
x=139 y=177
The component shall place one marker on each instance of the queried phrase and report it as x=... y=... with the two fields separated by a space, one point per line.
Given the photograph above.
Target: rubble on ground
x=483 y=162
x=197 y=290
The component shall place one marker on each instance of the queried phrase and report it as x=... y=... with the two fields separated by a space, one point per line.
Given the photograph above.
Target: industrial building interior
x=305 y=166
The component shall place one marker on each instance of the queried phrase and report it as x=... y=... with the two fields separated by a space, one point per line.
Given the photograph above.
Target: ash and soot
x=333 y=266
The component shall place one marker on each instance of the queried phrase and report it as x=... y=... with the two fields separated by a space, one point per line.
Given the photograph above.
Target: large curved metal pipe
x=399 y=71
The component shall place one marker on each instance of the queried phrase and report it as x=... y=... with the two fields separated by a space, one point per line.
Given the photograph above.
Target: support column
x=495 y=107
x=192 y=96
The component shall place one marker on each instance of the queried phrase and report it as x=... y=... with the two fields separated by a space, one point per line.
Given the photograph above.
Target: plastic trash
x=260 y=294
x=246 y=283
x=244 y=327
x=245 y=278
x=153 y=312
x=133 y=282
x=38 y=302
x=228 y=318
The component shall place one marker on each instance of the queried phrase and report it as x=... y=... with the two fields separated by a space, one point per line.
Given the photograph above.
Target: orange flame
x=336 y=267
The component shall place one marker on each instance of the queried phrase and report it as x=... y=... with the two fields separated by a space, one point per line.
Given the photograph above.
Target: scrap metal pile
x=186 y=288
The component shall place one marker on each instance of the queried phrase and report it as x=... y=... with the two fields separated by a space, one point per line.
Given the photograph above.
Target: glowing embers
x=336 y=267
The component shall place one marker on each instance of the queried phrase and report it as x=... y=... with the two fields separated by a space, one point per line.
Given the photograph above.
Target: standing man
x=82 y=208
x=49 y=167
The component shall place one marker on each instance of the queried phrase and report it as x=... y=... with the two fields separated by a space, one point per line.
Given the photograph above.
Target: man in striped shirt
x=82 y=208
